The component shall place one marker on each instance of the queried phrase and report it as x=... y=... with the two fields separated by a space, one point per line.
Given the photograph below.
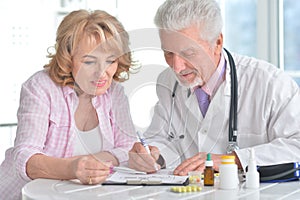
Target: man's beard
x=196 y=82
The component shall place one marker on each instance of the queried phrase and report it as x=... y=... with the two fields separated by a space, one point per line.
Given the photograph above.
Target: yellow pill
x=183 y=189
x=174 y=189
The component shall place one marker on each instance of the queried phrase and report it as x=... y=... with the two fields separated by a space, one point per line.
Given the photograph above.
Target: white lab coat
x=268 y=116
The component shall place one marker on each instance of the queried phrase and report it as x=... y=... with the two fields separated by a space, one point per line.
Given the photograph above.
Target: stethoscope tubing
x=170 y=134
x=233 y=100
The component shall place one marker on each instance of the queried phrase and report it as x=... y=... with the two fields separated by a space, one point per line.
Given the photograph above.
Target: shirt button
x=205 y=131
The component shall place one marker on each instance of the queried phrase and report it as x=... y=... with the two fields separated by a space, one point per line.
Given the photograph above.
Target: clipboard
x=155 y=179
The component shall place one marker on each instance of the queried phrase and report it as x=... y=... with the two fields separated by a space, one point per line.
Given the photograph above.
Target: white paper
x=127 y=170
x=162 y=177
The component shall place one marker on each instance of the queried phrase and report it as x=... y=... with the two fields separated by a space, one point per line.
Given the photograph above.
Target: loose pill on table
x=184 y=189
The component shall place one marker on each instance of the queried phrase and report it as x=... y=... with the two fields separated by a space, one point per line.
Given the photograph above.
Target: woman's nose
x=99 y=72
x=101 y=68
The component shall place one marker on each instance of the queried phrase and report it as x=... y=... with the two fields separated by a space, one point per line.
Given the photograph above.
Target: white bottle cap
x=209 y=162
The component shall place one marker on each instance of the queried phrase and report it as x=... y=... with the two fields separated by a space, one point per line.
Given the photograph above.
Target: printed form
x=164 y=176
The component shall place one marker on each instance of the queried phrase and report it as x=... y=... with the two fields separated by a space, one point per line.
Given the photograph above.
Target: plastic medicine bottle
x=252 y=175
x=209 y=177
x=228 y=173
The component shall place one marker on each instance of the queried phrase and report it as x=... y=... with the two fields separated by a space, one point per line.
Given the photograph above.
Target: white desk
x=47 y=189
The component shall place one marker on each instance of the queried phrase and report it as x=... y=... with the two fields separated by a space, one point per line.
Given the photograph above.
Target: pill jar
x=228 y=173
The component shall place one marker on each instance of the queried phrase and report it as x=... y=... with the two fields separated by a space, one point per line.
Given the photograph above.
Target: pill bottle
x=209 y=175
x=228 y=173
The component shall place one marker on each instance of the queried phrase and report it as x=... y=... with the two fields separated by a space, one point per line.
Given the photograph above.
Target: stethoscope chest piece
x=232 y=146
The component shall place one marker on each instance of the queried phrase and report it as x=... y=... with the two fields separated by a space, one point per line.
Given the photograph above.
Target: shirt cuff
x=21 y=158
x=161 y=161
x=120 y=154
x=243 y=155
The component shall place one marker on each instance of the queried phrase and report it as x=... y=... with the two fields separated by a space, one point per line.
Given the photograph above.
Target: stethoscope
x=232 y=130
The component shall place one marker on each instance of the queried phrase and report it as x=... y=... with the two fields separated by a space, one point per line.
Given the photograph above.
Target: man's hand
x=197 y=163
x=140 y=160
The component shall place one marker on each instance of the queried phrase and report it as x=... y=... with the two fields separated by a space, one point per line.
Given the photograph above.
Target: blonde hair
x=97 y=24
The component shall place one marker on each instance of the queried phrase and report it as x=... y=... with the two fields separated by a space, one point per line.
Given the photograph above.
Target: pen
x=142 y=140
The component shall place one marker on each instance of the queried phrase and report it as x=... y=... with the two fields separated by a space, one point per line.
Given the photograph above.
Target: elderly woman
x=74 y=119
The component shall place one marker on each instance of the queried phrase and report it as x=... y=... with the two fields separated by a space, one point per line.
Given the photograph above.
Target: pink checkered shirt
x=46 y=126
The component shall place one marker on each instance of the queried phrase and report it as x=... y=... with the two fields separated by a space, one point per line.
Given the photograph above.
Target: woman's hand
x=89 y=170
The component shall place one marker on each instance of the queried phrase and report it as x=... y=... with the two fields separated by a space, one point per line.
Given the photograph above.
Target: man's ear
x=219 y=44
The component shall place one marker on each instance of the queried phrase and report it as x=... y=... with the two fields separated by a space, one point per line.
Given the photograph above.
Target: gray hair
x=176 y=15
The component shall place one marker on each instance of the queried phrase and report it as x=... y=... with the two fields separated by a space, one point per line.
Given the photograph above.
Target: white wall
x=28 y=29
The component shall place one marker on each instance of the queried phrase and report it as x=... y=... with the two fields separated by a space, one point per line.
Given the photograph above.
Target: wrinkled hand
x=140 y=160
x=197 y=163
x=90 y=171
